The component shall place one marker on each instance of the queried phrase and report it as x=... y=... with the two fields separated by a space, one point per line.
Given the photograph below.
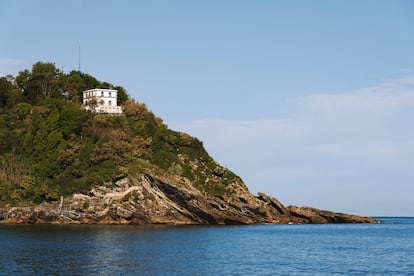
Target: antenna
x=79 y=57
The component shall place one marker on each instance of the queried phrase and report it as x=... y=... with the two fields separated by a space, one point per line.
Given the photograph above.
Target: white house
x=100 y=100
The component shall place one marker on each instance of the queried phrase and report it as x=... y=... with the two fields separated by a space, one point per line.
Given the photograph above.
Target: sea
x=386 y=248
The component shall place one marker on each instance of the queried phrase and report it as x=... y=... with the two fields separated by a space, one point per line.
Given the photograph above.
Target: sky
x=309 y=101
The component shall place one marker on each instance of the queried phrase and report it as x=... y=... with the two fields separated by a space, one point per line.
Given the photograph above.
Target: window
x=110 y=102
x=110 y=94
x=101 y=93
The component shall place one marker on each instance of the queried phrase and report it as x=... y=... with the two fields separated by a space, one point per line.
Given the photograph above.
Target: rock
x=313 y=215
x=157 y=200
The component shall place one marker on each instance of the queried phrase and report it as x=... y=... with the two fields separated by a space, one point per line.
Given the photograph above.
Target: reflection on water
x=235 y=250
x=104 y=250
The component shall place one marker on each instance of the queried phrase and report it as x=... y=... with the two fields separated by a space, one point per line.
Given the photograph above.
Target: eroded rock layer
x=149 y=200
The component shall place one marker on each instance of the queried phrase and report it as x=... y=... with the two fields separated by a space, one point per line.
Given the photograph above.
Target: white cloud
x=390 y=94
x=245 y=131
x=10 y=66
x=355 y=147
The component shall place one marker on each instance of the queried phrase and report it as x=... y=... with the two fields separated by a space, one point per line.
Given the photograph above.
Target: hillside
x=62 y=164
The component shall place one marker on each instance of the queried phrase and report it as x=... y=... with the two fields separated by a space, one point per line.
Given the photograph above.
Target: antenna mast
x=79 y=57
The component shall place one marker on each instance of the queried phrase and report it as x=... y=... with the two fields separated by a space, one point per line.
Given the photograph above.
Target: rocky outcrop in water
x=150 y=200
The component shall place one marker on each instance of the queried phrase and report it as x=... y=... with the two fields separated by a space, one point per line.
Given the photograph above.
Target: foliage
x=43 y=82
x=50 y=146
x=46 y=81
x=9 y=93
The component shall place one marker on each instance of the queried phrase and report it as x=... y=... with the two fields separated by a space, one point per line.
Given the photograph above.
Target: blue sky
x=310 y=101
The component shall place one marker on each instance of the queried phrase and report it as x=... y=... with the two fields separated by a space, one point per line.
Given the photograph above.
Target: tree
x=133 y=108
x=9 y=93
x=75 y=85
x=122 y=95
x=45 y=77
x=23 y=81
x=92 y=103
x=90 y=82
x=43 y=82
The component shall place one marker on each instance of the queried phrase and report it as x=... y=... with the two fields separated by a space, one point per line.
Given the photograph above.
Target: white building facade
x=99 y=100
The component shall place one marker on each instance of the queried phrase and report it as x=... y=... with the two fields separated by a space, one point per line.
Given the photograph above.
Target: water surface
x=348 y=249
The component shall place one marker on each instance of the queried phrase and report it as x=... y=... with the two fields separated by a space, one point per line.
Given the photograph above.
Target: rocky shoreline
x=170 y=201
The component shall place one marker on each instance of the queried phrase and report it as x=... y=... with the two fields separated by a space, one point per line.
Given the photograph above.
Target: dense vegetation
x=50 y=146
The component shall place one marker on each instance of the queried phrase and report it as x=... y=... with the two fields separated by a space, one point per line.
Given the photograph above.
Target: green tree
x=122 y=94
x=45 y=77
x=43 y=82
x=90 y=82
x=23 y=81
x=9 y=93
x=74 y=85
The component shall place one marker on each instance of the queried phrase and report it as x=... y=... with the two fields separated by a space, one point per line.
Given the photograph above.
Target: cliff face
x=168 y=200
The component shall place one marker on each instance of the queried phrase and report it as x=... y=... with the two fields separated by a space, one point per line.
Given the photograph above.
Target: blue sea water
x=334 y=249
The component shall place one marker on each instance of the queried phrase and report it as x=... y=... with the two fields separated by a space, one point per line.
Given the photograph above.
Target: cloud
x=346 y=149
x=390 y=94
x=10 y=66
x=246 y=131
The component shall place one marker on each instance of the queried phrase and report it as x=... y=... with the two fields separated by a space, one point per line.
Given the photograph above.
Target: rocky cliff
x=67 y=165
x=168 y=200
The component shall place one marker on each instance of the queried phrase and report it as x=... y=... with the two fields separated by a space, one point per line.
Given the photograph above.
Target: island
x=75 y=150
